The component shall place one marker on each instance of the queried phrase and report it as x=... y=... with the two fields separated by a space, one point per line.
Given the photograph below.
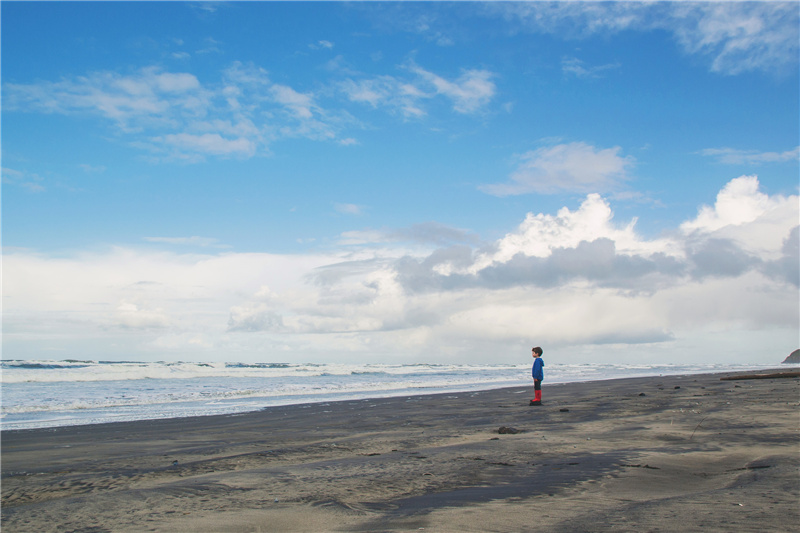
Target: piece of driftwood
x=762 y=376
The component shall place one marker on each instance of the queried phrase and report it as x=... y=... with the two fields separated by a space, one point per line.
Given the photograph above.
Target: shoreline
x=678 y=452
x=49 y=424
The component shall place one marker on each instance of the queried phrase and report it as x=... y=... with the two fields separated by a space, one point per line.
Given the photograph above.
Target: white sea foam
x=57 y=393
x=56 y=371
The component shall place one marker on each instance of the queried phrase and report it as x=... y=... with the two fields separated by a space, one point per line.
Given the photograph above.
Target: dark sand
x=686 y=453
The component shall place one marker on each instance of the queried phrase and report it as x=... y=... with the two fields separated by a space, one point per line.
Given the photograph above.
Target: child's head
x=537 y=352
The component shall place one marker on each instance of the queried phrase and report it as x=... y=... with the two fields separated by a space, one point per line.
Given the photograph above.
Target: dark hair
x=538 y=350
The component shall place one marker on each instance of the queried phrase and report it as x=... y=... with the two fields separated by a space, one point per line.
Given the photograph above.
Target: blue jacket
x=537 y=372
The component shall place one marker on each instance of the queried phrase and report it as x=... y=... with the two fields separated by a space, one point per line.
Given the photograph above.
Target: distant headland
x=793 y=359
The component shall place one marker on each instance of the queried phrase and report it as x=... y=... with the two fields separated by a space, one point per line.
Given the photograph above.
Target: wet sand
x=676 y=453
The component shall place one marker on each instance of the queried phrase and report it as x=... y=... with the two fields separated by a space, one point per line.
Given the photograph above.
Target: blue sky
x=401 y=182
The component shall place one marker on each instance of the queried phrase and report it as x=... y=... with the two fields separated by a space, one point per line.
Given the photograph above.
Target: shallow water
x=38 y=394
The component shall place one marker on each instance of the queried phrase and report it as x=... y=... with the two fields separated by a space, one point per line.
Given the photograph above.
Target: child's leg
x=537 y=388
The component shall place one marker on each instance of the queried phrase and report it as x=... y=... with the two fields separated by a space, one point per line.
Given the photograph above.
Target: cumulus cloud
x=786 y=268
x=572 y=280
x=596 y=262
x=737 y=203
x=574 y=167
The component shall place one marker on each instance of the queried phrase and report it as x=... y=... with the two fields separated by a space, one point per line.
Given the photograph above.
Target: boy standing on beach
x=538 y=376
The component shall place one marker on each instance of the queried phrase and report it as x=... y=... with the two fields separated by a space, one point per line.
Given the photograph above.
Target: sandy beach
x=673 y=453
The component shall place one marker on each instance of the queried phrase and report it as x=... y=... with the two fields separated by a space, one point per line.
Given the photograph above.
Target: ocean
x=42 y=394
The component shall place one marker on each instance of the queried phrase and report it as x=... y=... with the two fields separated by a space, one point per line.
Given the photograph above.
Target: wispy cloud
x=470 y=93
x=206 y=144
x=348 y=209
x=575 y=67
x=736 y=37
x=731 y=156
x=187 y=241
x=739 y=36
x=426 y=233
x=207 y=6
x=398 y=96
x=321 y=45
x=175 y=116
x=92 y=169
x=572 y=167
x=26 y=180
x=299 y=104
x=148 y=98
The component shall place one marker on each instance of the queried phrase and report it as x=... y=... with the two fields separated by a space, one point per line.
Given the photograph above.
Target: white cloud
x=130 y=101
x=756 y=222
x=737 y=203
x=576 y=166
x=359 y=237
x=739 y=36
x=736 y=37
x=540 y=234
x=187 y=241
x=571 y=280
x=245 y=76
x=348 y=209
x=326 y=45
x=575 y=67
x=32 y=182
x=373 y=91
x=92 y=169
x=176 y=83
x=418 y=236
x=299 y=104
x=207 y=143
x=730 y=156
x=174 y=115
x=469 y=93
x=388 y=92
x=129 y=315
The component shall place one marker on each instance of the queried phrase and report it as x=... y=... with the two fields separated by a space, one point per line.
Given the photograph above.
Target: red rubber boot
x=537 y=398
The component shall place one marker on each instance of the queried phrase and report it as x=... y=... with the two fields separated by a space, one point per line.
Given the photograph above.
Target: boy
x=538 y=376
